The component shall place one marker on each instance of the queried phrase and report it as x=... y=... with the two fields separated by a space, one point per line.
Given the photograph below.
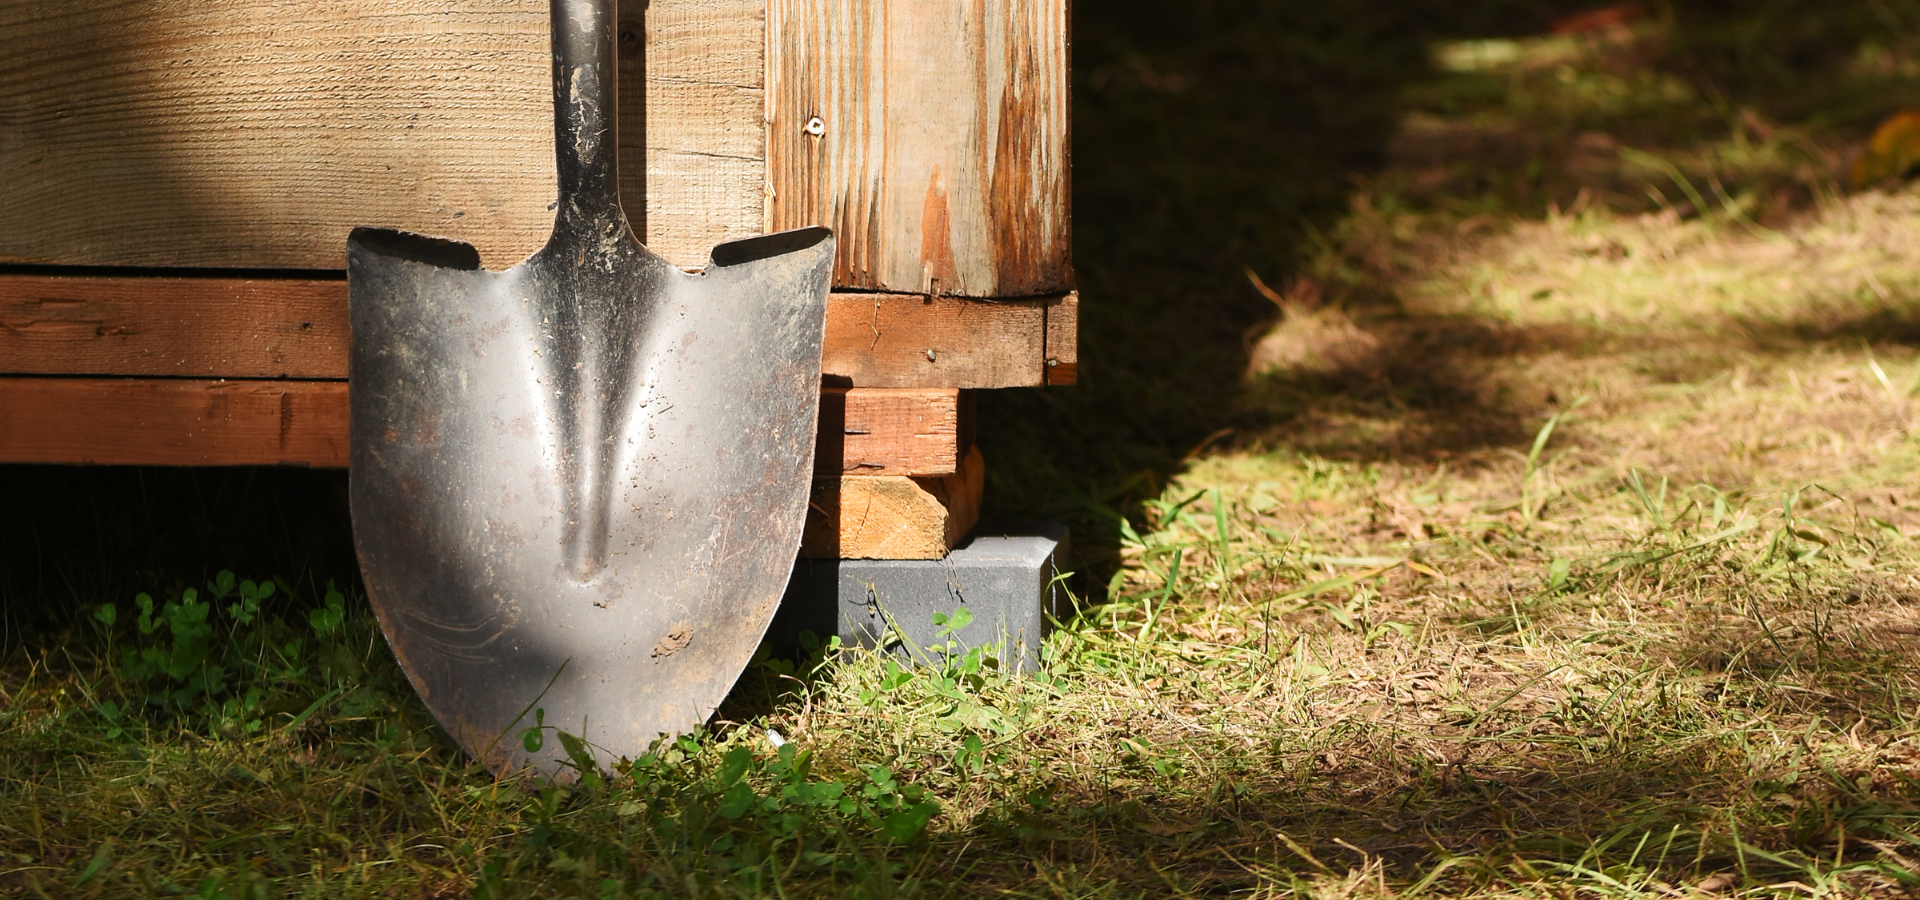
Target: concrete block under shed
x=1004 y=574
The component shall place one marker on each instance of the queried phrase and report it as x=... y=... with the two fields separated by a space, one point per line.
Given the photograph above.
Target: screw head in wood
x=816 y=126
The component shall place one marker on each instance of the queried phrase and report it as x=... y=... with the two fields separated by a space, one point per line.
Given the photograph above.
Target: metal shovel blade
x=578 y=485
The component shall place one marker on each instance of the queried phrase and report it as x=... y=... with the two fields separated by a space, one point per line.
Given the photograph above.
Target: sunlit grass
x=1559 y=541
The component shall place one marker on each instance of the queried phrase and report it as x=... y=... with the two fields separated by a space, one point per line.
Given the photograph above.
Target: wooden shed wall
x=255 y=133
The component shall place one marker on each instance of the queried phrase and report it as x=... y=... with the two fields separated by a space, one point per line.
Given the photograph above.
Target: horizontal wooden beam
x=914 y=340
x=195 y=422
x=178 y=327
x=892 y=517
x=902 y=431
x=173 y=422
x=217 y=327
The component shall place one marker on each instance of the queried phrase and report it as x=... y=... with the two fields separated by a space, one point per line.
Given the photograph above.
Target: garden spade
x=578 y=485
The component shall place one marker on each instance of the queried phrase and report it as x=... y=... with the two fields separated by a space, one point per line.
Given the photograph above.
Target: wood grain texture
x=694 y=72
x=174 y=422
x=930 y=135
x=193 y=327
x=909 y=340
x=962 y=493
x=892 y=517
x=206 y=422
x=1063 y=340
x=269 y=328
x=884 y=431
x=256 y=133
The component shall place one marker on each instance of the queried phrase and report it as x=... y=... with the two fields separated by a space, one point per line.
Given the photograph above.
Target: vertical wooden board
x=930 y=135
x=254 y=133
x=698 y=167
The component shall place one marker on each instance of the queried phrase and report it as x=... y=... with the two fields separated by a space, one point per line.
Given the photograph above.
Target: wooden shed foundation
x=177 y=179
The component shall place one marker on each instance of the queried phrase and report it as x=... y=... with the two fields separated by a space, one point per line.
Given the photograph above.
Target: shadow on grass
x=1586 y=789
x=1631 y=816
x=1233 y=135
x=1223 y=137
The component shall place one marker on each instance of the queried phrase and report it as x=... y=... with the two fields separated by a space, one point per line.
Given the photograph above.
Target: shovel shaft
x=586 y=151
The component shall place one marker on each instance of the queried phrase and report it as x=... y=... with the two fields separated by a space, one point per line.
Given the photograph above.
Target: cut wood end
x=893 y=517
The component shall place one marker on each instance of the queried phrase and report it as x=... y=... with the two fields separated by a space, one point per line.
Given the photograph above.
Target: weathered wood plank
x=930 y=135
x=908 y=340
x=205 y=422
x=695 y=75
x=255 y=133
x=174 y=422
x=891 y=517
x=885 y=431
x=1063 y=340
x=190 y=327
x=115 y=421
x=270 y=328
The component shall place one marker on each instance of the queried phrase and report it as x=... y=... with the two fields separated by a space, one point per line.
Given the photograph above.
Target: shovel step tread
x=267 y=326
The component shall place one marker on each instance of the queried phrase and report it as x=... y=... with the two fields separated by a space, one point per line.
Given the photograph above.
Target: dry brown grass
x=1379 y=647
x=1563 y=545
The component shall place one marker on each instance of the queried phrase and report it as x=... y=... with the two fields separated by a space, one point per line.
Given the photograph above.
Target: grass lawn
x=1494 y=475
